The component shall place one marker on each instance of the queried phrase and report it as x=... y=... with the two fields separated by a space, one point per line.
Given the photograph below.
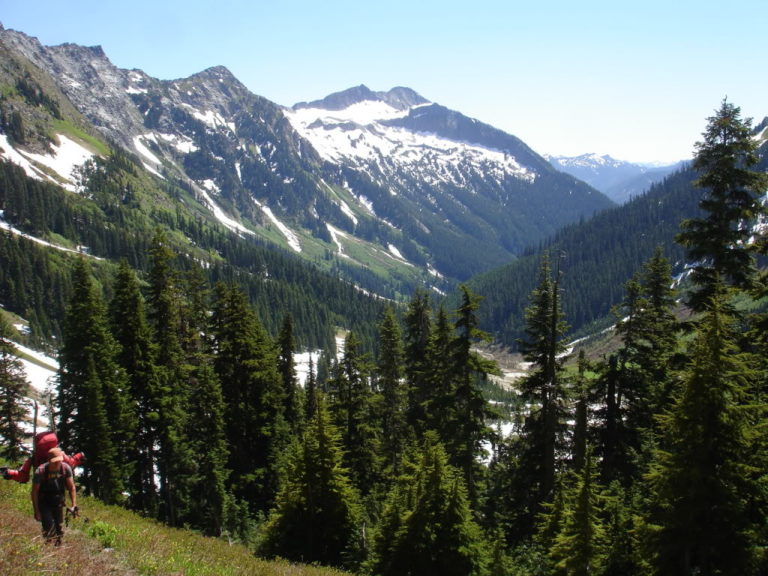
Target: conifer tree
x=581 y=420
x=210 y=502
x=439 y=379
x=578 y=548
x=658 y=329
x=287 y=369
x=705 y=481
x=128 y=323
x=13 y=391
x=637 y=379
x=718 y=241
x=544 y=388
x=93 y=391
x=245 y=360
x=317 y=515
x=353 y=408
x=310 y=392
x=392 y=388
x=622 y=529
x=430 y=528
x=418 y=330
x=637 y=382
x=102 y=478
x=470 y=411
x=174 y=456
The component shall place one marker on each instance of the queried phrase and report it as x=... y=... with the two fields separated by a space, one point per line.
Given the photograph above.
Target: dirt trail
x=23 y=551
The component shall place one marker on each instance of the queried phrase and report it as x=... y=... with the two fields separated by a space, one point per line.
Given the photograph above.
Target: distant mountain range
x=362 y=182
x=617 y=179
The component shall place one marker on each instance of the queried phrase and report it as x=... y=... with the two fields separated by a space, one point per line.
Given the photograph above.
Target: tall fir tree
x=354 y=410
x=706 y=482
x=544 y=388
x=310 y=392
x=439 y=379
x=392 y=388
x=638 y=379
x=93 y=395
x=287 y=368
x=174 y=453
x=13 y=394
x=658 y=330
x=317 y=516
x=418 y=330
x=211 y=505
x=578 y=549
x=245 y=360
x=581 y=415
x=719 y=241
x=428 y=523
x=128 y=323
x=470 y=411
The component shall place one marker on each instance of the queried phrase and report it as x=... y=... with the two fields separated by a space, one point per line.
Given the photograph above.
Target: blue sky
x=635 y=80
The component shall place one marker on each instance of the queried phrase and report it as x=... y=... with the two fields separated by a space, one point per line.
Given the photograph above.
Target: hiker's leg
x=58 y=521
x=48 y=522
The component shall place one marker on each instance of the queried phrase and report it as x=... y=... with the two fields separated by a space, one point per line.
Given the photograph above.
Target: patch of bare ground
x=24 y=551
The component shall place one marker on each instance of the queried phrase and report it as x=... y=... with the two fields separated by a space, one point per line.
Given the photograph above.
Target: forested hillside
x=118 y=220
x=595 y=258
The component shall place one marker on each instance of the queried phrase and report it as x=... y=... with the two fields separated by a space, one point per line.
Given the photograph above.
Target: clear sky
x=636 y=80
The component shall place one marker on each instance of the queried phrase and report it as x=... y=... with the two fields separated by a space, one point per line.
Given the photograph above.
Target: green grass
x=70 y=130
x=141 y=546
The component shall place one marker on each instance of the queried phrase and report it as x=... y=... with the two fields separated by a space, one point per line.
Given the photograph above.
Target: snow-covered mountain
x=387 y=133
x=382 y=181
x=617 y=179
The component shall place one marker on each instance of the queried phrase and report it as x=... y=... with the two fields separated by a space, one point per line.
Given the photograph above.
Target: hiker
x=42 y=443
x=49 y=484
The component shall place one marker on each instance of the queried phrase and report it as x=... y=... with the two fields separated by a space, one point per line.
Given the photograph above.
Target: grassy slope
x=110 y=540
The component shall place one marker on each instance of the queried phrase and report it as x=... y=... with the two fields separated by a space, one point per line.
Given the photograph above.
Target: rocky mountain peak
x=400 y=98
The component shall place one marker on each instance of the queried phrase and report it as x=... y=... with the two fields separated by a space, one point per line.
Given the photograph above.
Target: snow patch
x=6 y=226
x=219 y=214
x=143 y=150
x=395 y=252
x=182 y=144
x=347 y=211
x=10 y=153
x=67 y=156
x=211 y=118
x=211 y=186
x=363 y=113
x=301 y=365
x=39 y=372
x=367 y=204
x=335 y=235
x=293 y=240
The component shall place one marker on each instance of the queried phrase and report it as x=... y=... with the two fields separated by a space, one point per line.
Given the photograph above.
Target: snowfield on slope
x=66 y=158
x=356 y=134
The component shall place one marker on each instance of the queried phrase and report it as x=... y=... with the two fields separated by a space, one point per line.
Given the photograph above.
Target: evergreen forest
x=178 y=381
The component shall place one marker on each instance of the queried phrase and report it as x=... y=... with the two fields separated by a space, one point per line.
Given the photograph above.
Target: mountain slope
x=442 y=175
x=595 y=258
x=425 y=193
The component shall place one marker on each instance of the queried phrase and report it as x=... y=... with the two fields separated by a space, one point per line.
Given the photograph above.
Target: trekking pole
x=74 y=512
x=34 y=430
